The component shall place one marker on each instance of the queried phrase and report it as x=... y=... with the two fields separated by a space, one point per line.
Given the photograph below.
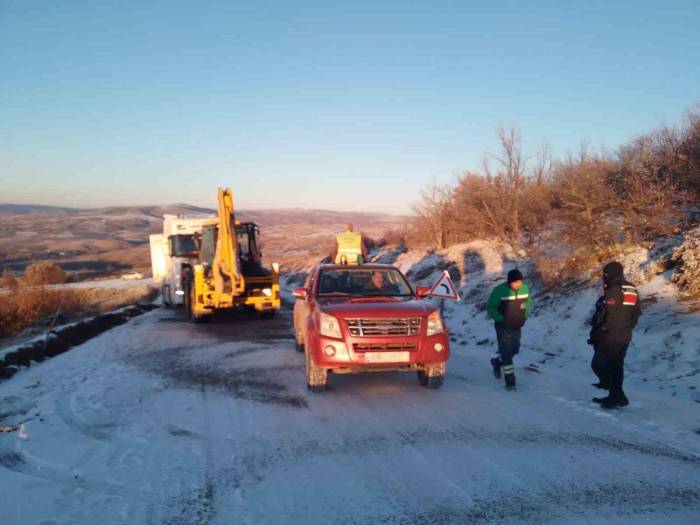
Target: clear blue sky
x=348 y=105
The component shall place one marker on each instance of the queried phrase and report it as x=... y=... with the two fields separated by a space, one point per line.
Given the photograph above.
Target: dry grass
x=33 y=307
x=557 y=270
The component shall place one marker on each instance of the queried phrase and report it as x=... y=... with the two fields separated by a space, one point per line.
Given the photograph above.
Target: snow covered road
x=163 y=422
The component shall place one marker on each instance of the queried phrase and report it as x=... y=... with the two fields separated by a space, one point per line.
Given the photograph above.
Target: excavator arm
x=227 y=272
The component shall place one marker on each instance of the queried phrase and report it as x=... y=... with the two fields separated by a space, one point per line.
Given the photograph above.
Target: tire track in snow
x=100 y=432
x=561 y=501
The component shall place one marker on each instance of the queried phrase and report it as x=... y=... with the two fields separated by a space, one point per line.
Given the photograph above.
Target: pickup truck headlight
x=435 y=324
x=330 y=327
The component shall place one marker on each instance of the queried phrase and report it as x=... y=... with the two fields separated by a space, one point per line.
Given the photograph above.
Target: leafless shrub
x=583 y=203
x=27 y=306
x=8 y=279
x=395 y=237
x=41 y=273
x=434 y=215
x=687 y=260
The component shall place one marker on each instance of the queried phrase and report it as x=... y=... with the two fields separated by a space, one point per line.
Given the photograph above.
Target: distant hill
x=32 y=208
x=317 y=217
x=99 y=241
x=267 y=217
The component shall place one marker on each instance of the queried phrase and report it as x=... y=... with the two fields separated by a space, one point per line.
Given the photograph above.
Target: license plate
x=387 y=357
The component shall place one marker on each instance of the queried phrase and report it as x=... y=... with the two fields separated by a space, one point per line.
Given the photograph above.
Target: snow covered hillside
x=664 y=357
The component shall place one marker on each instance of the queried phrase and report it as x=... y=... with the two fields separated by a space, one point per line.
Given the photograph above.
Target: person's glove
x=590 y=341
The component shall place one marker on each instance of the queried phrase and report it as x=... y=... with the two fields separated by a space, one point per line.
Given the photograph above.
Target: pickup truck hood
x=380 y=307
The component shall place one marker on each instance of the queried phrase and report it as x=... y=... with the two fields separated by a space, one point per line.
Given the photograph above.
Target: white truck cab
x=173 y=251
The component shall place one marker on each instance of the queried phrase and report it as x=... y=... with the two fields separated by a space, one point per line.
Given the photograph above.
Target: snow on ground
x=160 y=421
x=163 y=422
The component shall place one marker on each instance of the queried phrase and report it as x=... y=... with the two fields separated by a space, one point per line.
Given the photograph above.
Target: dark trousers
x=508 y=346
x=610 y=369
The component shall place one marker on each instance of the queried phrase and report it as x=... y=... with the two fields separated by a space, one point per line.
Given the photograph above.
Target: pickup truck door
x=302 y=308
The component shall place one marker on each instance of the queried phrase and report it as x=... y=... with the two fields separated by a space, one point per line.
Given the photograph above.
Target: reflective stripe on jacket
x=616 y=314
x=350 y=247
x=508 y=307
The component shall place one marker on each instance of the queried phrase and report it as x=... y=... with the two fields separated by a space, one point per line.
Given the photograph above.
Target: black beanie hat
x=514 y=275
x=613 y=271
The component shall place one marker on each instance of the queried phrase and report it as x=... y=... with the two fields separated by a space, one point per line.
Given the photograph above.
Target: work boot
x=609 y=403
x=510 y=382
x=601 y=400
x=496 y=364
x=622 y=400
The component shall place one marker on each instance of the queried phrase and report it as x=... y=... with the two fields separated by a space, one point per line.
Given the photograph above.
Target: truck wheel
x=165 y=294
x=189 y=298
x=316 y=377
x=432 y=377
x=187 y=301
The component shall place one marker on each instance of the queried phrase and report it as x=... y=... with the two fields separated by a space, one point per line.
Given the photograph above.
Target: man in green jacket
x=509 y=306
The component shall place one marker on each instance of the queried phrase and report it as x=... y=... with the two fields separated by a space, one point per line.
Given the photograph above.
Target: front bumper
x=385 y=353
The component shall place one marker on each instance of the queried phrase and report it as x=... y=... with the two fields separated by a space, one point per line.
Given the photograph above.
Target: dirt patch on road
x=262 y=384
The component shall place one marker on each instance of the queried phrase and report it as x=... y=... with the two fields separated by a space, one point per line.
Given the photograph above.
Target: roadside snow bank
x=687 y=257
x=664 y=355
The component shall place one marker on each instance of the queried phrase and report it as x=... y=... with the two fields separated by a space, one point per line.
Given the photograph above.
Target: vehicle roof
x=372 y=266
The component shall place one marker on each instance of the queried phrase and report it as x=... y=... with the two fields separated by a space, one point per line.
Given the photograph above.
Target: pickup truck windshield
x=363 y=282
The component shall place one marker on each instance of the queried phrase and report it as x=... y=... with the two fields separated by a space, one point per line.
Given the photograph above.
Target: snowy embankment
x=163 y=421
x=664 y=356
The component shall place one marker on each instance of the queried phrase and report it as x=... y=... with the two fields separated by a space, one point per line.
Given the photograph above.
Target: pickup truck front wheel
x=316 y=377
x=432 y=377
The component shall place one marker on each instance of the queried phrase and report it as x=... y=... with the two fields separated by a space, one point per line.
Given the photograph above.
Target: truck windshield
x=363 y=282
x=183 y=245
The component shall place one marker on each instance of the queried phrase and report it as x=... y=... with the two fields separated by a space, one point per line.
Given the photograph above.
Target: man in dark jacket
x=509 y=306
x=616 y=314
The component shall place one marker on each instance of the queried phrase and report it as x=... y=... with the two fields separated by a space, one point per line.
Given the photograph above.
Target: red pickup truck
x=367 y=318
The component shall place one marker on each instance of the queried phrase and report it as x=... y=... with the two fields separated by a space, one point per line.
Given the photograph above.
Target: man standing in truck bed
x=509 y=306
x=349 y=248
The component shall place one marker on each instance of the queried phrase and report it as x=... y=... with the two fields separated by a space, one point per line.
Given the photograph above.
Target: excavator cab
x=247 y=248
x=230 y=271
x=248 y=235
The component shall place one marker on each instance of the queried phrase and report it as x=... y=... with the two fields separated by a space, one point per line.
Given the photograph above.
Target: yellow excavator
x=229 y=272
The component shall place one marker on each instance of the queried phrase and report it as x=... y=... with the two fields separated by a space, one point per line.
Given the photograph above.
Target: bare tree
x=647 y=182
x=584 y=202
x=433 y=214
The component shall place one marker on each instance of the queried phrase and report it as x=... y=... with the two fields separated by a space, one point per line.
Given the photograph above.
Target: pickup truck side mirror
x=422 y=291
x=300 y=293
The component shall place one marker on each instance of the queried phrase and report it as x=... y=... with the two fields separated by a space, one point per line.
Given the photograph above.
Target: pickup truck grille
x=384 y=347
x=383 y=326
